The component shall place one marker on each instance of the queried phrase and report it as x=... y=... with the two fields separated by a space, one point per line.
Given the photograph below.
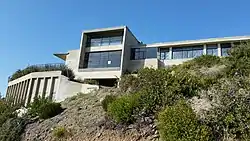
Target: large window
x=102 y=59
x=143 y=53
x=212 y=50
x=104 y=41
x=164 y=54
x=187 y=52
x=224 y=49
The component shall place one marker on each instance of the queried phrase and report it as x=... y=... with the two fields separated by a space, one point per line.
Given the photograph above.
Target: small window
x=96 y=42
x=164 y=54
x=138 y=53
x=225 y=48
x=151 y=53
x=212 y=50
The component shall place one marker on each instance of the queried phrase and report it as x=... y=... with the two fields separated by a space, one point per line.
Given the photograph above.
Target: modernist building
x=105 y=54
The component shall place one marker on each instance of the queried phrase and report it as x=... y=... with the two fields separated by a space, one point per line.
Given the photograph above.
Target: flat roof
x=104 y=29
x=199 y=41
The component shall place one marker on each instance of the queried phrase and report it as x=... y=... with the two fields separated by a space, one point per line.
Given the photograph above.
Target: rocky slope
x=85 y=120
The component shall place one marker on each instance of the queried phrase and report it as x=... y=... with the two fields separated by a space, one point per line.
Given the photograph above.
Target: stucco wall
x=130 y=41
x=69 y=88
x=72 y=59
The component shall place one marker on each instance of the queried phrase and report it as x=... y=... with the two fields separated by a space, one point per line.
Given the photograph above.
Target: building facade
x=106 y=54
x=110 y=52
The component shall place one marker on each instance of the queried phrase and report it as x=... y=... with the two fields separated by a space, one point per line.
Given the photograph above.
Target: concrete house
x=106 y=54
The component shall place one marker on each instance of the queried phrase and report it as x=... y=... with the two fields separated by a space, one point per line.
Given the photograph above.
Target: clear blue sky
x=32 y=30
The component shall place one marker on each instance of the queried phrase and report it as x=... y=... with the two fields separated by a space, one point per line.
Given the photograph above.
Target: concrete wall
x=129 y=42
x=44 y=84
x=72 y=60
x=25 y=89
x=68 y=88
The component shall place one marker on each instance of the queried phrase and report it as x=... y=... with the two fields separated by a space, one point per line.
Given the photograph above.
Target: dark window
x=164 y=54
x=212 y=50
x=151 y=53
x=225 y=48
x=187 y=52
x=104 y=41
x=138 y=53
x=102 y=59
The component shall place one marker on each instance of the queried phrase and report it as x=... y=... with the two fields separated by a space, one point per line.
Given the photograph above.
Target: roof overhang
x=201 y=41
x=62 y=56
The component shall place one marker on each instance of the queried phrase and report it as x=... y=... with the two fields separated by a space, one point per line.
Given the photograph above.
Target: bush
x=123 y=109
x=230 y=115
x=202 y=61
x=59 y=132
x=179 y=123
x=49 y=110
x=238 y=61
x=41 y=68
x=91 y=81
x=129 y=83
x=44 y=108
x=6 y=111
x=12 y=129
x=107 y=100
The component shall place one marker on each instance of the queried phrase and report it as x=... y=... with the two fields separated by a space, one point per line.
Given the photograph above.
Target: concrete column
x=204 y=49
x=34 y=90
x=26 y=92
x=170 y=53
x=219 y=50
x=52 y=87
x=45 y=85
x=13 y=94
x=17 y=93
x=37 y=87
x=20 y=92
x=23 y=92
x=49 y=83
x=30 y=91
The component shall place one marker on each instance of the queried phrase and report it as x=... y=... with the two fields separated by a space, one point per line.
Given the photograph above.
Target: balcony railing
x=43 y=68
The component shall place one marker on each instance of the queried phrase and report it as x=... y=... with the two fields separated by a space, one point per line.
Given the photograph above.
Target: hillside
x=85 y=119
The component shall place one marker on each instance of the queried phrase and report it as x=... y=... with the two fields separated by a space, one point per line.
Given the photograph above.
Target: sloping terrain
x=85 y=120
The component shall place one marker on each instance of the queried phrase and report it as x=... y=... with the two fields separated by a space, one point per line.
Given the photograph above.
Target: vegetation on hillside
x=42 y=68
x=221 y=83
x=12 y=126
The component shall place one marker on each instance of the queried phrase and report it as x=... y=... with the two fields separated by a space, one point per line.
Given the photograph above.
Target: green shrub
x=129 y=83
x=12 y=129
x=59 y=132
x=238 y=61
x=49 y=110
x=6 y=111
x=230 y=115
x=44 y=108
x=91 y=81
x=41 y=68
x=179 y=123
x=107 y=100
x=202 y=61
x=123 y=109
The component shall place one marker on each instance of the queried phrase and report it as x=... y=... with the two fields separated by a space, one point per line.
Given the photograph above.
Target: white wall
x=68 y=89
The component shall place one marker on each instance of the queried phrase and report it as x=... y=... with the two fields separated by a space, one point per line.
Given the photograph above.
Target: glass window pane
x=95 y=42
x=212 y=50
x=114 y=59
x=151 y=53
x=105 y=41
x=177 y=53
x=116 y=40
